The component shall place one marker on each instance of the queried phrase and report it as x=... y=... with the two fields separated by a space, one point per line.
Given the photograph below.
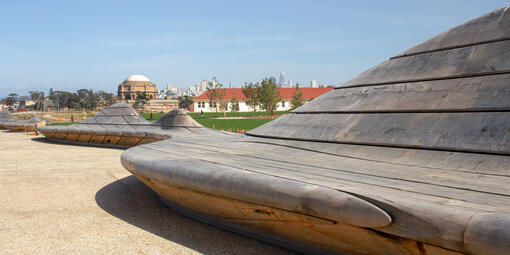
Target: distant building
x=203 y=85
x=283 y=81
x=137 y=84
x=313 y=84
x=201 y=103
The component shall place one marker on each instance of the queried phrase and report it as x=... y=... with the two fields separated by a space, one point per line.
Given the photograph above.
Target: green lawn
x=210 y=120
x=232 y=124
x=197 y=115
x=155 y=115
x=62 y=123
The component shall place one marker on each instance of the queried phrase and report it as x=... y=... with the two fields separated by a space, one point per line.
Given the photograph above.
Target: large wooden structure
x=410 y=157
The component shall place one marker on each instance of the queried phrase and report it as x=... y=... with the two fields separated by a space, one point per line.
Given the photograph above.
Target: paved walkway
x=64 y=199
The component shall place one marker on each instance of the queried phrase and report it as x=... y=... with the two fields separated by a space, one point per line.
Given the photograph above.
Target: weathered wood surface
x=27 y=125
x=5 y=117
x=410 y=157
x=422 y=138
x=321 y=232
x=485 y=93
x=483 y=59
x=475 y=132
x=491 y=27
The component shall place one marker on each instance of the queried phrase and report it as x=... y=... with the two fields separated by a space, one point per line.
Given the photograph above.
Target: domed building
x=135 y=84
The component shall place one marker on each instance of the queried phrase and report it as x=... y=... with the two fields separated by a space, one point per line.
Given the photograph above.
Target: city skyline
x=68 y=46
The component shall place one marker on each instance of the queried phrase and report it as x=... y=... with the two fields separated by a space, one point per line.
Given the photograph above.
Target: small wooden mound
x=5 y=117
x=27 y=125
x=120 y=126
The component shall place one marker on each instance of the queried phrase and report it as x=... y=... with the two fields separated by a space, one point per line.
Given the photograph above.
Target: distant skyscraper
x=289 y=83
x=273 y=79
x=230 y=84
x=283 y=81
x=313 y=84
x=203 y=85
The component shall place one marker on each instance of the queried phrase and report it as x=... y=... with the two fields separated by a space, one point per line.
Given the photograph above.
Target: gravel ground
x=64 y=199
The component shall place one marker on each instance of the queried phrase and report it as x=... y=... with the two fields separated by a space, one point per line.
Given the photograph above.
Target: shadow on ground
x=131 y=201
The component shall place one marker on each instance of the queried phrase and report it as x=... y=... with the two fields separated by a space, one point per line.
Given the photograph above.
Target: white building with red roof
x=201 y=103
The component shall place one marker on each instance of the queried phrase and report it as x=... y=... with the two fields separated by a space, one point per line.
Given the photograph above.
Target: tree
x=38 y=97
x=297 y=98
x=141 y=99
x=104 y=99
x=250 y=93
x=86 y=99
x=185 y=102
x=268 y=95
x=51 y=94
x=215 y=93
x=67 y=100
x=234 y=104
x=11 y=99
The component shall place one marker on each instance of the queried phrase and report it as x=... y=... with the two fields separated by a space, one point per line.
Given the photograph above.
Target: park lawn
x=232 y=124
x=197 y=115
x=225 y=124
x=155 y=115
x=210 y=120
x=62 y=123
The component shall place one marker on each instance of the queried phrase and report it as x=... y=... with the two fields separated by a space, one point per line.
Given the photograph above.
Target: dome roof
x=136 y=77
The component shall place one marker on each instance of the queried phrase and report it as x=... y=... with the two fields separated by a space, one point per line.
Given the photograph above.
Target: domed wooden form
x=410 y=157
x=25 y=125
x=120 y=126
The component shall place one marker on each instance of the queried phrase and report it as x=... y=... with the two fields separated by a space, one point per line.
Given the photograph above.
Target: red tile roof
x=285 y=93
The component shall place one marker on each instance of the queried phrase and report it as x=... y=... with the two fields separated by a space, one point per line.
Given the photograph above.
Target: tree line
x=85 y=99
x=264 y=95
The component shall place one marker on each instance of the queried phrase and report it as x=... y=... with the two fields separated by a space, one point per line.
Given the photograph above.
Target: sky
x=68 y=45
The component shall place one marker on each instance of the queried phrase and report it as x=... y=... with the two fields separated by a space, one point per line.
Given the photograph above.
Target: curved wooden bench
x=410 y=157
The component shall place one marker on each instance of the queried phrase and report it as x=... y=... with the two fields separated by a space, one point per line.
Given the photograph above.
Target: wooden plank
x=475 y=132
x=287 y=194
x=455 y=63
x=487 y=93
x=483 y=164
x=329 y=170
x=490 y=27
x=330 y=235
x=425 y=210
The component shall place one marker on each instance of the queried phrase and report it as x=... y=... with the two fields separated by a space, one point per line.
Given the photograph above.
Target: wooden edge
x=246 y=231
x=488 y=233
x=256 y=188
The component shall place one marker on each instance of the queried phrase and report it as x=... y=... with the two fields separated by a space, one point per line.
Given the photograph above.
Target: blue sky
x=68 y=45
